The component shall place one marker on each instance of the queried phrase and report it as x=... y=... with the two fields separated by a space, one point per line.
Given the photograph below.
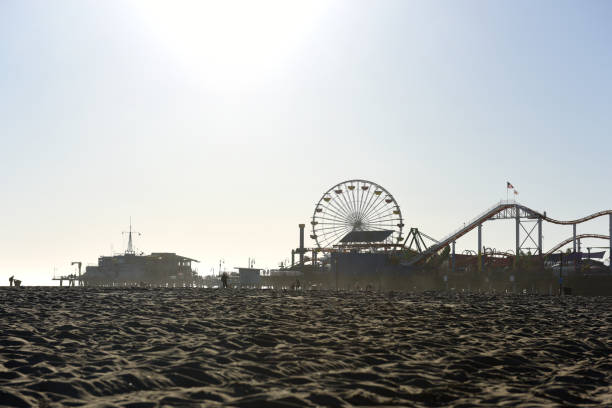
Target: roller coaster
x=360 y=216
x=510 y=209
x=571 y=239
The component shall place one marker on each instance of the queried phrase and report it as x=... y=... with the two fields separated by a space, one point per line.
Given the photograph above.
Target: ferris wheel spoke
x=351 y=203
x=332 y=222
x=386 y=224
x=326 y=221
x=330 y=216
x=381 y=217
x=380 y=228
x=339 y=231
x=380 y=208
x=342 y=198
x=381 y=205
x=384 y=213
x=358 y=201
x=382 y=220
x=332 y=205
x=330 y=238
x=370 y=198
x=335 y=212
x=322 y=220
x=338 y=205
x=340 y=234
x=354 y=199
x=373 y=204
x=367 y=201
x=327 y=228
x=330 y=229
x=324 y=235
x=346 y=200
x=378 y=198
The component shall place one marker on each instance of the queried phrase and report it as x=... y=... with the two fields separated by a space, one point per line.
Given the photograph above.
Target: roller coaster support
x=540 y=236
x=453 y=257
x=479 y=247
x=574 y=241
x=507 y=210
x=518 y=235
x=417 y=241
x=610 y=234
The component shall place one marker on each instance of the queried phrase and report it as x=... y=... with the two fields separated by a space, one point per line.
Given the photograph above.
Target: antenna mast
x=130 y=246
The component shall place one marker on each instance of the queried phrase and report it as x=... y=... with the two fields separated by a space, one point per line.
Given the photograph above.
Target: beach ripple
x=252 y=348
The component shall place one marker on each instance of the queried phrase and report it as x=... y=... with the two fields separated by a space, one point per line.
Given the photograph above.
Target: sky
x=217 y=126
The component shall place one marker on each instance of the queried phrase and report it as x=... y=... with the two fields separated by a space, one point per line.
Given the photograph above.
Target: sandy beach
x=250 y=348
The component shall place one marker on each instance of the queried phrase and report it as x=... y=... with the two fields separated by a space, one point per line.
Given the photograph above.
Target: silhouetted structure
x=249 y=277
x=158 y=268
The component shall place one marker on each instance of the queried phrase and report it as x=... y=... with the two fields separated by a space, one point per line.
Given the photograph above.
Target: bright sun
x=227 y=41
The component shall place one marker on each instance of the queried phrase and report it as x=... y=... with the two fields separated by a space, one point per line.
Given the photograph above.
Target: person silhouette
x=224 y=279
x=11 y=279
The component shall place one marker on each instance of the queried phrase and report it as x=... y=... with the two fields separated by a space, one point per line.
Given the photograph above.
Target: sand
x=249 y=348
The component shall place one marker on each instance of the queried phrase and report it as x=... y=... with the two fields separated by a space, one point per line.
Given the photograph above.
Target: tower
x=130 y=245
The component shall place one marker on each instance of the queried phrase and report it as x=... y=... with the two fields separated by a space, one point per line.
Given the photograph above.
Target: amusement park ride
x=362 y=216
x=357 y=212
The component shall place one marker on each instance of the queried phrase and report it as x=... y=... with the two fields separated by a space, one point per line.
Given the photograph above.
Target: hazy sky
x=218 y=125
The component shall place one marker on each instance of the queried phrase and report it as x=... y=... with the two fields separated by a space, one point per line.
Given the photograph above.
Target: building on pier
x=158 y=268
x=130 y=268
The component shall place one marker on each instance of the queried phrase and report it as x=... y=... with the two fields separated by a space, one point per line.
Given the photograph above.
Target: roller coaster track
x=570 y=239
x=579 y=220
x=500 y=210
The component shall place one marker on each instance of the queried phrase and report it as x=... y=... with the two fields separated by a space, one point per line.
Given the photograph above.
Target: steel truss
x=417 y=243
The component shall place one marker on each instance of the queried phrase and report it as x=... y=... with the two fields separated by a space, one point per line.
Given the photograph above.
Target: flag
x=509 y=185
x=515 y=192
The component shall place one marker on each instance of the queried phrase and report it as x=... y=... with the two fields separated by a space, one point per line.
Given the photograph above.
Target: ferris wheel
x=354 y=206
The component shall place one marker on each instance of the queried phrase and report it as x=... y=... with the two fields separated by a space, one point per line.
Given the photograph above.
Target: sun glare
x=229 y=42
